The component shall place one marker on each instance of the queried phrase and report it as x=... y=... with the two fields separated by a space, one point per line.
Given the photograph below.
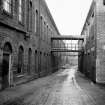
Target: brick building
x=26 y=27
x=92 y=60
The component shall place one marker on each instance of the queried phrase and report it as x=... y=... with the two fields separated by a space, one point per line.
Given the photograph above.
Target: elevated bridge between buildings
x=65 y=50
x=66 y=43
x=67 y=37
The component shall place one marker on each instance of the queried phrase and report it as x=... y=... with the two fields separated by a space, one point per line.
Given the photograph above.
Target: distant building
x=26 y=27
x=92 y=60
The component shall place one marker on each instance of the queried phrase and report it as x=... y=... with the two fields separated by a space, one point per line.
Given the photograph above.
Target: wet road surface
x=66 y=87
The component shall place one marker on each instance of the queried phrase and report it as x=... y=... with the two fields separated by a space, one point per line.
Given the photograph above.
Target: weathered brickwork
x=27 y=43
x=94 y=62
x=87 y=58
x=100 y=71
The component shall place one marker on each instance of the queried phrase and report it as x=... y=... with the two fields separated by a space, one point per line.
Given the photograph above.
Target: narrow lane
x=66 y=87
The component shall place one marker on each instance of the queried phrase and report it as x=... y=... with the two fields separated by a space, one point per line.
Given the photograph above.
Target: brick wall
x=20 y=35
x=100 y=62
x=88 y=58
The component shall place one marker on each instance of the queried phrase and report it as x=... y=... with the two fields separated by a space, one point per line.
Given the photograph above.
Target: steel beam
x=64 y=50
x=67 y=37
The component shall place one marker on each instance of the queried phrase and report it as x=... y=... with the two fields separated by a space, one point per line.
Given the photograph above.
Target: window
x=29 y=60
x=30 y=16
x=44 y=29
x=20 y=11
x=35 y=61
x=47 y=30
x=92 y=14
x=15 y=6
x=7 y=5
x=36 y=21
x=104 y=2
x=0 y=3
x=41 y=26
x=20 y=59
x=47 y=33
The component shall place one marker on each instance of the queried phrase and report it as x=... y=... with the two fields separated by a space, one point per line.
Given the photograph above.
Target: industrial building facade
x=92 y=59
x=26 y=28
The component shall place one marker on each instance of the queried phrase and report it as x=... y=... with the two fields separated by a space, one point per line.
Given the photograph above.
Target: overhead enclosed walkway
x=65 y=46
x=66 y=43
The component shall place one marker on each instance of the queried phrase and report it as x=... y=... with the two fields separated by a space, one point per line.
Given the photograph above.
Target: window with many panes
x=7 y=5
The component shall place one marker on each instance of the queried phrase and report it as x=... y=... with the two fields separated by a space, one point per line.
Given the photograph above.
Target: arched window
x=36 y=21
x=7 y=48
x=6 y=65
x=44 y=30
x=30 y=16
x=41 y=26
x=47 y=33
x=20 y=59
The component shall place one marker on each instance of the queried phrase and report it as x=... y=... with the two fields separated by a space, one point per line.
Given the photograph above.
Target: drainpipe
x=39 y=61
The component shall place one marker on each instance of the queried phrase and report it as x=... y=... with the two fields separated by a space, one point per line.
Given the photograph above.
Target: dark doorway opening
x=6 y=63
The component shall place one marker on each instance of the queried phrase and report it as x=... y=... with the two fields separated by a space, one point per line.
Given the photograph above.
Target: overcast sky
x=69 y=15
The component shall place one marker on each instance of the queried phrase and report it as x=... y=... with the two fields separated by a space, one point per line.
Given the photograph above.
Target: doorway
x=6 y=65
x=5 y=71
